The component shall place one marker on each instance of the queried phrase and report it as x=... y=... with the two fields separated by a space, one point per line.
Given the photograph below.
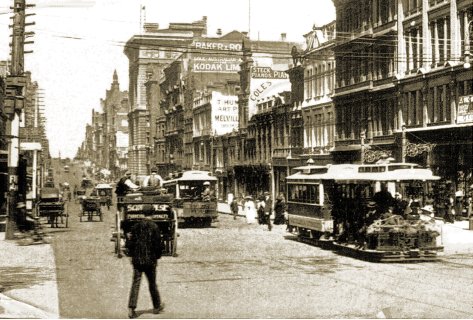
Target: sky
x=79 y=44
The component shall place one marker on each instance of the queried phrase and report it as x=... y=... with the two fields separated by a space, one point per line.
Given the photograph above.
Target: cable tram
x=366 y=211
x=194 y=197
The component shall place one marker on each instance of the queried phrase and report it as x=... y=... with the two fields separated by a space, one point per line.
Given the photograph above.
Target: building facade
x=408 y=80
x=148 y=55
x=114 y=103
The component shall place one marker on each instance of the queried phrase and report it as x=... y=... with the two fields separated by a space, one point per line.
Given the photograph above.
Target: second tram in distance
x=194 y=197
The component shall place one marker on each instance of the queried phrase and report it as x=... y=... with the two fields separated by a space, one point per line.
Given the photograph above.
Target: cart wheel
x=118 y=239
x=174 y=237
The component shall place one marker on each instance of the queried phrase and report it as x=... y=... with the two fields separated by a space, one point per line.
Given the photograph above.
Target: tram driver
x=384 y=200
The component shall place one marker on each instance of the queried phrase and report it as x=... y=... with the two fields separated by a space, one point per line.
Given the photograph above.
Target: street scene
x=178 y=160
x=232 y=270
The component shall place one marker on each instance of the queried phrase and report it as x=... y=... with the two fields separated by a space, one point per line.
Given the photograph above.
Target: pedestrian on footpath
x=234 y=208
x=250 y=210
x=268 y=210
x=280 y=209
x=144 y=248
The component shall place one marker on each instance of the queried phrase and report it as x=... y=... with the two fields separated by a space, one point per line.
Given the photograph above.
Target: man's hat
x=20 y=205
x=206 y=183
x=154 y=170
x=266 y=193
x=128 y=173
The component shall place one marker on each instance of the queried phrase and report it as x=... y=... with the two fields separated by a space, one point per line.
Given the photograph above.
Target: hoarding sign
x=217 y=45
x=465 y=109
x=266 y=82
x=224 y=113
x=210 y=63
x=216 y=56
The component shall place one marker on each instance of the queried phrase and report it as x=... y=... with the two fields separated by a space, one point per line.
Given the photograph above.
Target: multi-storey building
x=189 y=89
x=435 y=87
x=148 y=54
x=365 y=56
x=113 y=106
x=402 y=69
x=263 y=81
x=318 y=114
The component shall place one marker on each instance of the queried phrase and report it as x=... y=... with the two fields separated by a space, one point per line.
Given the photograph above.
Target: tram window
x=304 y=193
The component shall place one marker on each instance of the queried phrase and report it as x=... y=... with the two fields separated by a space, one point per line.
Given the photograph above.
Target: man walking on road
x=144 y=248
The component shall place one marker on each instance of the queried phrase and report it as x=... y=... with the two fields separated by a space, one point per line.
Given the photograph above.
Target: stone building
x=402 y=68
x=148 y=54
x=263 y=81
x=114 y=105
x=195 y=89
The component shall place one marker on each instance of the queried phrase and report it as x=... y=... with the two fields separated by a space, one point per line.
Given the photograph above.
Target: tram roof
x=195 y=175
x=357 y=172
x=344 y=173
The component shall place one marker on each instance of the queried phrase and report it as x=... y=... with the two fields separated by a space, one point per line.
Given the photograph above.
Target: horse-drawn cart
x=104 y=192
x=51 y=205
x=152 y=205
x=90 y=208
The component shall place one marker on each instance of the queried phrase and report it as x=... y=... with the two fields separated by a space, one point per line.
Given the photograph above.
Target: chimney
x=219 y=32
x=283 y=36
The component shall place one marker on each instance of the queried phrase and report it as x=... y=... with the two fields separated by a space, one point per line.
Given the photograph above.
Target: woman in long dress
x=250 y=210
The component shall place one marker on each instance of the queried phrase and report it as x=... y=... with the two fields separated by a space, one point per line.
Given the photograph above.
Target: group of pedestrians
x=261 y=209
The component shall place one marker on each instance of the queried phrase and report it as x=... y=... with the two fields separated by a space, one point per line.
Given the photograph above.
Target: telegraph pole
x=14 y=105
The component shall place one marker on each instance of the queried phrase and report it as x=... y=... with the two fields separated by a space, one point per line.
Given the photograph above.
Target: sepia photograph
x=236 y=159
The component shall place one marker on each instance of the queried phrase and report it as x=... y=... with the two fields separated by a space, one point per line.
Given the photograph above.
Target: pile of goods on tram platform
x=397 y=233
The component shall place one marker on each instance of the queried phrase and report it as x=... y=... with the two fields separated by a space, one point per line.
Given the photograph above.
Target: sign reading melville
x=465 y=109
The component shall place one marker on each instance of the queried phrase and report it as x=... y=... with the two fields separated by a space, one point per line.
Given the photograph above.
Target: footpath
x=28 y=284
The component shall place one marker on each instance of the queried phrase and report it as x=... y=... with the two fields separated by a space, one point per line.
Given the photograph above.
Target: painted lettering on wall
x=223 y=46
x=204 y=63
x=224 y=113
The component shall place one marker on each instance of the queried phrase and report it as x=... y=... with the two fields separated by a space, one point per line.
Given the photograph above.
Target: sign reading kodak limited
x=206 y=63
x=216 y=56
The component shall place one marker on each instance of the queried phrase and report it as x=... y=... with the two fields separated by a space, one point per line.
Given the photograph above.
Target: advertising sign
x=465 y=109
x=122 y=139
x=210 y=63
x=266 y=82
x=224 y=113
x=216 y=56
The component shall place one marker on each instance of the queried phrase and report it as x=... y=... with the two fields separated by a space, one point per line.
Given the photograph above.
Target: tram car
x=194 y=197
x=367 y=211
x=147 y=203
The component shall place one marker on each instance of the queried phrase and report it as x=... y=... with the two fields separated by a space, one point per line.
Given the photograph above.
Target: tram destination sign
x=465 y=109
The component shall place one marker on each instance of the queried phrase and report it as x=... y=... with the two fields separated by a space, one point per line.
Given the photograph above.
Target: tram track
x=397 y=278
